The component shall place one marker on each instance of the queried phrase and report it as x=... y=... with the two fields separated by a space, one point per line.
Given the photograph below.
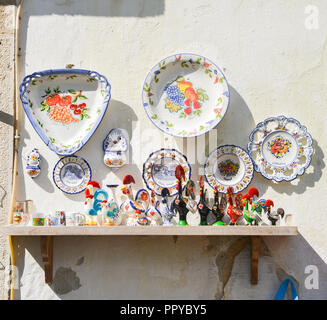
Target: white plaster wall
x=274 y=64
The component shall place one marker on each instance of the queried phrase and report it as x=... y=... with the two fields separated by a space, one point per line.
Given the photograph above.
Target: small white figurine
x=152 y=213
x=33 y=163
x=115 y=146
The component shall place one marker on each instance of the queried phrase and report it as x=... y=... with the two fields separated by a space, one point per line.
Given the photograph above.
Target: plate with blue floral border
x=229 y=166
x=185 y=95
x=71 y=174
x=159 y=170
x=280 y=148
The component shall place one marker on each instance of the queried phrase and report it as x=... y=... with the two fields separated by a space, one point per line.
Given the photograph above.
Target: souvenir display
x=218 y=208
x=33 y=163
x=203 y=209
x=65 y=106
x=234 y=209
x=185 y=95
x=159 y=170
x=72 y=174
x=167 y=211
x=116 y=146
x=228 y=166
x=280 y=148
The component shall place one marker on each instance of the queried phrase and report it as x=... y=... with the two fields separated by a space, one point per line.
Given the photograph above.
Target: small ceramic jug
x=33 y=163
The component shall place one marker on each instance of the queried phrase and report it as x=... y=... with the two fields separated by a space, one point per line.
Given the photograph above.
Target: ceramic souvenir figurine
x=179 y=205
x=233 y=211
x=115 y=147
x=89 y=195
x=167 y=212
x=33 y=163
x=126 y=208
x=110 y=210
x=248 y=215
x=93 y=215
x=203 y=209
x=273 y=217
x=140 y=205
x=153 y=213
x=190 y=196
x=218 y=208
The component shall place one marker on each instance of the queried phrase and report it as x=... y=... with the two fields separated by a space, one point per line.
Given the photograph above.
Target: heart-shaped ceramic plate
x=65 y=106
x=185 y=95
x=280 y=148
x=229 y=166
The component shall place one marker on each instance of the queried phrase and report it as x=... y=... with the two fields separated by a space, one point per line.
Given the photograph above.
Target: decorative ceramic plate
x=280 y=148
x=65 y=106
x=159 y=170
x=185 y=95
x=71 y=174
x=229 y=166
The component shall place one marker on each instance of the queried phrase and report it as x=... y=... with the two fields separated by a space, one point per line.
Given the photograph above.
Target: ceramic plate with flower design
x=280 y=148
x=159 y=170
x=185 y=95
x=65 y=106
x=71 y=174
x=229 y=166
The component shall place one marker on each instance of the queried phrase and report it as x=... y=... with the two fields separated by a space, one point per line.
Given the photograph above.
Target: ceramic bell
x=33 y=163
x=115 y=147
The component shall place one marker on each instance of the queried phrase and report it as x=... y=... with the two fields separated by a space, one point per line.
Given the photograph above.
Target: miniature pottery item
x=53 y=221
x=38 y=219
x=79 y=219
x=273 y=217
x=71 y=174
x=93 y=216
x=228 y=166
x=17 y=217
x=65 y=106
x=218 y=208
x=33 y=163
x=280 y=148
x=110 y=209
x=70 y=218
x=116 y=148
x=61 y=216
x=185 y=95
x=203 y=209
x=159 y=170
x=167 y=211
x=153 y=213
x=128 y=212
x=233 y=210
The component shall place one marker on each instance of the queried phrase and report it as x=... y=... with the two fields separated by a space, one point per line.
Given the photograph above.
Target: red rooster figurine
x=233 y=211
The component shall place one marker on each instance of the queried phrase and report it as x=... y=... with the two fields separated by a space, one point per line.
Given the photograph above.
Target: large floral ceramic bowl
x=229 y=166
x=185 y=95
x=65 y=106
x=280 y=148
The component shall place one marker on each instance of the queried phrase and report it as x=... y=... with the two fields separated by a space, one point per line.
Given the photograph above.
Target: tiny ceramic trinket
x=115 y=147
x=33 y=163
x=203 y=209
x=167 y=212
x=219 y=208
x=141 y=205
x=234 y=211
x=153 y=212
x=272 y=216
x=110 y=209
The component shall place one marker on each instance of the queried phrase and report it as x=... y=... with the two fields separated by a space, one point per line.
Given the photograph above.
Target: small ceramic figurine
x=233 y=211
x=249 y=216
x=166 y=212
x=141 y=205
x=89 y=195
x=110 y=210
x=115 y=147
x=33 y=163
x=153 y=213
x=204 y=210
x=218 y=209
x=178 y=205
x=273 y=217
x=190 y=196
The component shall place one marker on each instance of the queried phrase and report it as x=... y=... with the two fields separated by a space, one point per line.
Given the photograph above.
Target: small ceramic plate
x=159 y=170
x=65 y=106
x=280 y=148
x=71 y=174
x=185 y=95
x=229 y=166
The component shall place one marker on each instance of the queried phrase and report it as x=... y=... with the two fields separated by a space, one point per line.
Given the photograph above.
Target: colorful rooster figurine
x=125 y=208
x=152 y=212
x=204 y=210
x=247 y=214
x=233 y=211
x=218 y=208
x=179 y=205
x=272 y=217
x=166 y=212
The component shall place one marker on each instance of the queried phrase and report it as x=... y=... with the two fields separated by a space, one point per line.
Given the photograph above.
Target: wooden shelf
x=149 y=231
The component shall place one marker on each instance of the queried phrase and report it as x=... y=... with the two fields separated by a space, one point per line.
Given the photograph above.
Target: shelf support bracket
x=47 y=257
x=255 y=249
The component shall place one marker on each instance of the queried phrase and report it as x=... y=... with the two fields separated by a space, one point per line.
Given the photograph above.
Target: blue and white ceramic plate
x=159 y=170
x=280 y=148
x=71 y=174
x=185 y=95
x=65 y=106
x=229 y=166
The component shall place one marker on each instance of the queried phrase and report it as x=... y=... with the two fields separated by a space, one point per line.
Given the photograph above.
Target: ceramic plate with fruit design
x=65 y=106
x=229 y=166
x=280 y=148
x=185 y=95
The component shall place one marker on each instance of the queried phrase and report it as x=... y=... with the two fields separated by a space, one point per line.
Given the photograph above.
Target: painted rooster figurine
x=203 y=209
x=179 y=205
x=273 y=218
x=233 y=210
x=218 y=208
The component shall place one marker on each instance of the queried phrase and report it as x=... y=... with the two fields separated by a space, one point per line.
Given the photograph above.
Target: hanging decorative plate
x=159 y=170
x=71 y=174
x=185 y=95
x=280 y=148
x=229 y=166
x=65 y=106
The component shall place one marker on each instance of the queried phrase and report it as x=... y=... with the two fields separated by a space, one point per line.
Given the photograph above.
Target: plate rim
x=70 y=156
x=22 y=91
x=185 y=54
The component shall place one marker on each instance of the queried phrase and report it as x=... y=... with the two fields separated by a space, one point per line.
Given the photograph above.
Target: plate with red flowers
x=280 y=148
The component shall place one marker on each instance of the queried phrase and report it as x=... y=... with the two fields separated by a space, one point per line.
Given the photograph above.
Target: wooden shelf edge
x=150 y=231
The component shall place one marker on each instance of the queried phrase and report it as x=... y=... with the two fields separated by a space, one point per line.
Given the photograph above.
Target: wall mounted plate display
x=159 y=170
x=65 y=106
x=280 y=148
x=185 y=95
x=71 y=174
x=229 y=166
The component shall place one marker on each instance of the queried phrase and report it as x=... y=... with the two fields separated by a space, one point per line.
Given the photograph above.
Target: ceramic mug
x=70 y=218
x=79 y=219
x=17 y=217
x=38 y=219
x=53 y=221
